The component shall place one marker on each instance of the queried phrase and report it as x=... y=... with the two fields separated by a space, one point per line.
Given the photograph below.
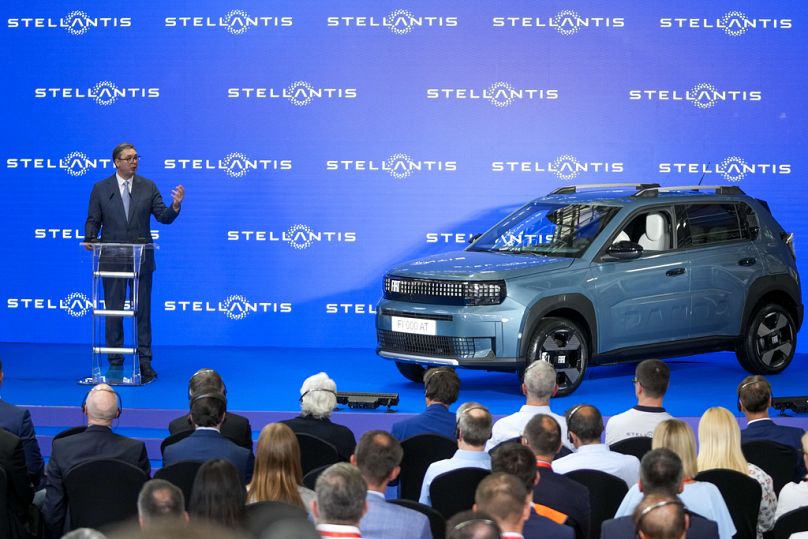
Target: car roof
x=640 y=194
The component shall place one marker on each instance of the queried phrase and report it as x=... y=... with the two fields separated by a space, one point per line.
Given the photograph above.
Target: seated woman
x=278 y=476
x=218 y=495
x=720 y=447
x=794 y=495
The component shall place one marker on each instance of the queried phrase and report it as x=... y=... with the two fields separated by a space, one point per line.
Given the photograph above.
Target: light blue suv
x=598 y=274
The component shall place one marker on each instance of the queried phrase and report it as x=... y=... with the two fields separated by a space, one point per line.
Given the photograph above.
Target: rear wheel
x=769 y=340
x=411 y=371
x=562 y=343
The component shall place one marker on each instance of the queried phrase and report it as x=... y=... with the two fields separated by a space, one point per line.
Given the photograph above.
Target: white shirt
x=122 y=182
x=338 y=530
x=638 y=421
x=792 y=496
x=513 y=425
x=599 y=457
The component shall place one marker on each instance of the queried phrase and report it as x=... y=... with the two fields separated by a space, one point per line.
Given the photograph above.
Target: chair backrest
x=101 y=492
x=261 y=515
x=182 y=475
x=5 y=517
x=174 y=438
x=742 y=495
x=778 y=460
x=70 y=432
x=637 y=446
x=515 y=439
x=606 y=491
x=310 y=479
x=791 y=522
x=453 y=491
x=419 y=452
x=315 y=452
x=436 y=521
x=656 y=234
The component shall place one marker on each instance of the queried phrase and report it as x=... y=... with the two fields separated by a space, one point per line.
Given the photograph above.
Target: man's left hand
x=177 y=194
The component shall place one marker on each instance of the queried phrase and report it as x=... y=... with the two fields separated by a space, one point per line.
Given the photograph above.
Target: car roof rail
x=570 y=189
x=719 y=190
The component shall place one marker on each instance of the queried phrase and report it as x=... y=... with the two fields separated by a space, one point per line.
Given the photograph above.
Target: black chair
x=779 y=461
x=310 y=479
x=742 y=495
x=71 y=431
x=260 y=516
x=515 y=439
x=172 y=439
x=5 y=520
x=563 y=452
x=182 y=475
x=419 y=452
x=315 y=452
x=436 y=521
x=637 y=446
x=788 y=523
x=101 y=492
x=606 y=491
x=453 y=491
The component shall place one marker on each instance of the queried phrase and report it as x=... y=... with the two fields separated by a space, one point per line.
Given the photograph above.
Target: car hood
x=474 y=265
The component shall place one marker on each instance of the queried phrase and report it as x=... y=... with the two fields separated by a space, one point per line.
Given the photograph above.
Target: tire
x=561 y=339
x=411 y=371
x=769 y=340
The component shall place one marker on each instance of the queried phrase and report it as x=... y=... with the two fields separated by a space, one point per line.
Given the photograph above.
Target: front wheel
x=562 y=343
x=769 y=341
x=411 y=371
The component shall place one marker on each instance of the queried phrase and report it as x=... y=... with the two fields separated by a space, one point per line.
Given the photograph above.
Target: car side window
x=706 y=224
x=748 y=219
x=652 y=230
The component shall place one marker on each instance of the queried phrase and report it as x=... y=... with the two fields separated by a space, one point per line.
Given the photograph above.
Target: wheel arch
x=575 y=307
x=779 y=289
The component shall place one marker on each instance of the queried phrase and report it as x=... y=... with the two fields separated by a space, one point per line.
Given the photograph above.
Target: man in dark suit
x=671 y=518
x=102 y=406
x=234 y=427
x=17 y=421
x=441 y=389
x=120 y=209
x=554 y=492
x=207 y=442
x=19 y=491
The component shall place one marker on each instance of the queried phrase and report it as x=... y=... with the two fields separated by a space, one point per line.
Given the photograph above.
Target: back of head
x=677 y=436
x=84 y=533
x=654 y=376
x=218 y=496
x=277 y=466
x=377 y=454
x=543 y=435
x=585 y=422
x=101 y=404
x=540 y=380
x=754 y=394
x=208 y=409
x=318 y=396
x=502 y=496
x=472 y=525
x=341 y=492
x=474 y=423
x=720 y=441
x=159 y=499
x=660 y=516
x=661 y=472
x=515 y=459
x=172 y=529
x=441 y=384
x=206 y=381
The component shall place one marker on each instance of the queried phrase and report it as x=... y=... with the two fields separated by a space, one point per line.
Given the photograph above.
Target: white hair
x=540 y=380
x=318 y=396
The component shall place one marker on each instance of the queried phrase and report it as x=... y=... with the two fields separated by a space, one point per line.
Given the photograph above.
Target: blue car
x=599 y=274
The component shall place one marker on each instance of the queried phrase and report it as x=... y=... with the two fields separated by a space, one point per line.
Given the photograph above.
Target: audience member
x=794 y=495
x=441 y=389
x=519 y=461
x=656 y=475
x=472 y=525
x=378 y=456
x=318 y=398
x=341 y=501
x=507 y=500
x=84 y=533
x=651 y=379
x=102 y=407
x=473 y=428
x=19 y=492
x=554 y=491
x=234 y=427
x=207 y=442
x=661 y=517
x=173 y=529
x=218 y=496
x=720 y=447
x=585 y=426
x=160 y=500
x=278 y=476
x=538 y=387
x=754 y=400
x=18 y=422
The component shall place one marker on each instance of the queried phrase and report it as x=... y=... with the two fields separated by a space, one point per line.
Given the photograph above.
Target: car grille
x=426 y=345
x=444 y=292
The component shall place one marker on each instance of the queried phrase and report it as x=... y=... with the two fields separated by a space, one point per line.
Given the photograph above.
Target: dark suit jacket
x=564 y=495
x=20 y=491
x=17 y=421
x=769 y=430
x=436 y=419
x=540 y=527
x=95 y=442
x=106 y=214
x=235 y=427
x=623 y=528
x=340 y=436
x=205 y=445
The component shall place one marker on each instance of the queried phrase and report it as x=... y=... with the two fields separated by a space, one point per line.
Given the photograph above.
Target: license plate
x=414 y=325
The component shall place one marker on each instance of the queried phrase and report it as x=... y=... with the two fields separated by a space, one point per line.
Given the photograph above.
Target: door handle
x=673 y=272
x=747 y=261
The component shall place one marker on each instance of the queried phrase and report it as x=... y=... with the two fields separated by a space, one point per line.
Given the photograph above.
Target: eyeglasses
x=131 y=158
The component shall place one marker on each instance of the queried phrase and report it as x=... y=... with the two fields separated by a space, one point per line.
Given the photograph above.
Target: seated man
x=160 y=501
x=507 y=500
x=341 y=501
x=19 y=490
x=651 y=379
x=441 y=389
x=207 y=442
x=18 y=422
x=661 y=517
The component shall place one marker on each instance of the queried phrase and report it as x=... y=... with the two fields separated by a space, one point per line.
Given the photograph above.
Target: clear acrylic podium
x=115 y=261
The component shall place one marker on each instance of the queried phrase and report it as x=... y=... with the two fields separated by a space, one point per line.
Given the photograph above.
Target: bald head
x=661 y=517
x=101 y=405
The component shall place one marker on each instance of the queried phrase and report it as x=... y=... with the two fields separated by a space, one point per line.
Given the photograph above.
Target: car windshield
x=547 y=230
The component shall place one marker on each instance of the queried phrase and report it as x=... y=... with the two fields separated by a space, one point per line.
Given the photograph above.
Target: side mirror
x=625 y=250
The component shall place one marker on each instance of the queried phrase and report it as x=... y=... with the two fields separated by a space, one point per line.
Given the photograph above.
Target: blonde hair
x=720 y=442
x=277 y=472
x=677 y=436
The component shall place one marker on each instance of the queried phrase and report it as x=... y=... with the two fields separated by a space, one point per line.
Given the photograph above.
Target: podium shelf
x=115 y=274
x=112 y=312
x=111 y=350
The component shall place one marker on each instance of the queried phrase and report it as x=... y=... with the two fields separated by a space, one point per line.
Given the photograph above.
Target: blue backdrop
x=320 y=142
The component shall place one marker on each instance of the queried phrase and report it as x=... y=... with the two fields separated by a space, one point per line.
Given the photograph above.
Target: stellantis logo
x=75 y=304
x=398 y=165
x=236 y=21
x=300 y=93
x=298 y=236
x=702 y=96
x=500 y=94
x=733 y=168
x=104 y=93
x=234 y=164
x=75 y=163
x=400 y=22
x=234 y=306
x=566 y=22
x=565 y=167
x=733 y=23
x=76 y=23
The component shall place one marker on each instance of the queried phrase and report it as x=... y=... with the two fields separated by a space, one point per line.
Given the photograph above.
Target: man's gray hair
x=318 y=396
x=159 y=499
x=540 y=380
x=84 y=533
x=474 y=423
x=341 y=492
